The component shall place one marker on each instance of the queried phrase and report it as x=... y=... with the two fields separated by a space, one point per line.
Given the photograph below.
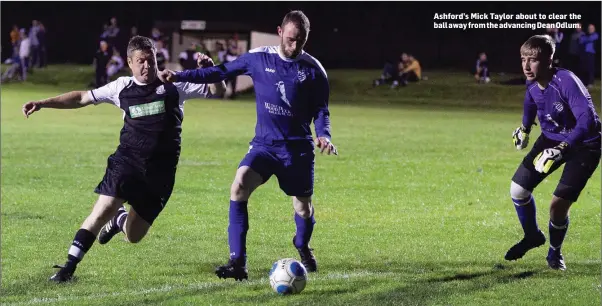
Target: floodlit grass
x=414 y=211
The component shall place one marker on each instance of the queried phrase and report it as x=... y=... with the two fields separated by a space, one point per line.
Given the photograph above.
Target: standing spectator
x=156 y=34
x=43 y=55
x=588 y=58
x=105 y=32
x=24 y=53
x=112 y=33
x=575 y=51
x=188 y=57
x=482 y=69
x=162 y=55
x=34 y=57
x=101 y=61
x=232 y=55
x=133 y=31
x=221 y=53
x=14 y=39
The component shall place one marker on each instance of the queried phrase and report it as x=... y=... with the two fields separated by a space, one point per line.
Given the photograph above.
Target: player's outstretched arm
x=73 y=99
x=209 y=75
x=215 y=89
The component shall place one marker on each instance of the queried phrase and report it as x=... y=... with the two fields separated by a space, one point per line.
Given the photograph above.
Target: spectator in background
x=188 y=57
x=133 y=32
x=232 y=55
x=115 y=64
x=24 y=53
x=588 y=57
x=221 y=53
x=557 y=36
x=101 y=61
x=34 y=57
x=482 y=69
x=156 y=34
x=203 y=49
x=390 y=72
x=42 y=54
x=14 y=40
x=105 y=32
x=112 y=33
x=412 y=72
x=162 y=55
x=575 y=51
x=14 y=69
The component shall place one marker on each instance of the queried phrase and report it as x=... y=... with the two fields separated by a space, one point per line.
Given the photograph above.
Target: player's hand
x=520 y=138
x=204 y=61
x=30 y=107
x=167 y=76
x=324 y=144
x=545 y=160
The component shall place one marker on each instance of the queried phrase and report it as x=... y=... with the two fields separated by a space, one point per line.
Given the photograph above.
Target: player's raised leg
x=113 y=227
x=245 y=182
x=103 y=210
x=304 y=221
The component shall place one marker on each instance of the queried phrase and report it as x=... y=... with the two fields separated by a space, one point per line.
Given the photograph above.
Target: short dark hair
x=298 y=18
x=539 y=45
x=140 y=43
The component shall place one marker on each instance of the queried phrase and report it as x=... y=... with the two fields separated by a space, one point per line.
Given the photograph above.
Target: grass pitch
x=414 y=211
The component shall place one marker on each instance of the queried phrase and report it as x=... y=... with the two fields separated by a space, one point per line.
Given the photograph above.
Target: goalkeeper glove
x=545 y=160
x=520 y=138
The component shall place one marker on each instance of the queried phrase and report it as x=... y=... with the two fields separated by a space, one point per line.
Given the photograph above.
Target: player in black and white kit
x=142 y=170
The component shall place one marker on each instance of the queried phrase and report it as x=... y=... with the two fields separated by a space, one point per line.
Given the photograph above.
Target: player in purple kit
x=291 y=90
x=570 y=135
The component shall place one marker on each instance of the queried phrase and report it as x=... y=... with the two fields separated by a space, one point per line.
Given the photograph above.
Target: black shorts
x=581 y=162
x=147 y=191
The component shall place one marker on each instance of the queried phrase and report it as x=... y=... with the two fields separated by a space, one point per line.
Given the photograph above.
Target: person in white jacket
x=24 y=52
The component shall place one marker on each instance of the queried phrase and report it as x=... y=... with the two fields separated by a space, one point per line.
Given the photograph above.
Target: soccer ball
x=288 y=276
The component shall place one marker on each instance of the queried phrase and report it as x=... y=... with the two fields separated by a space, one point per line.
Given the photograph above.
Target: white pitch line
x=197 y=286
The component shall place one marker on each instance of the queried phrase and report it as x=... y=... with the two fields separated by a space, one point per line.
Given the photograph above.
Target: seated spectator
x=390 y=72
x=14 y=70
x=411 y=72
x=115 y=64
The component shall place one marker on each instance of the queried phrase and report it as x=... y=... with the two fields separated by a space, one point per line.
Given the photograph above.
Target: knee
x=303 y=208
x=238 y=189
x=517 y=192
x=133 y=238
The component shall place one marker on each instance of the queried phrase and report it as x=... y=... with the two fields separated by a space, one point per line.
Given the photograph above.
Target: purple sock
x=237 y=231
x=557 y=233
x=525 y=209
x=305 y=228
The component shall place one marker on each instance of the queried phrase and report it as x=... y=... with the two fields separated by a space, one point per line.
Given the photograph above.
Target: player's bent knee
x=517 y=192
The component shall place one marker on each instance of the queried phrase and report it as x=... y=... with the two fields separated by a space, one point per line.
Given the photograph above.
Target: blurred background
x=344 y=34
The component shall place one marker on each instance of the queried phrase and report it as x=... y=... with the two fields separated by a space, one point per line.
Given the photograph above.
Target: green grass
x=414 y=211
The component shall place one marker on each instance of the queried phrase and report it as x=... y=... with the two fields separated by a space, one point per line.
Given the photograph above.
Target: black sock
x=81 y=244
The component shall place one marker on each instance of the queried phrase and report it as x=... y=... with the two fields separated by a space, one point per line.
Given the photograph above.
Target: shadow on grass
x=391 y=283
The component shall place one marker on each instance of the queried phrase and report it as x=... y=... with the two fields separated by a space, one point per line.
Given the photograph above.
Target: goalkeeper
x=570 y=135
